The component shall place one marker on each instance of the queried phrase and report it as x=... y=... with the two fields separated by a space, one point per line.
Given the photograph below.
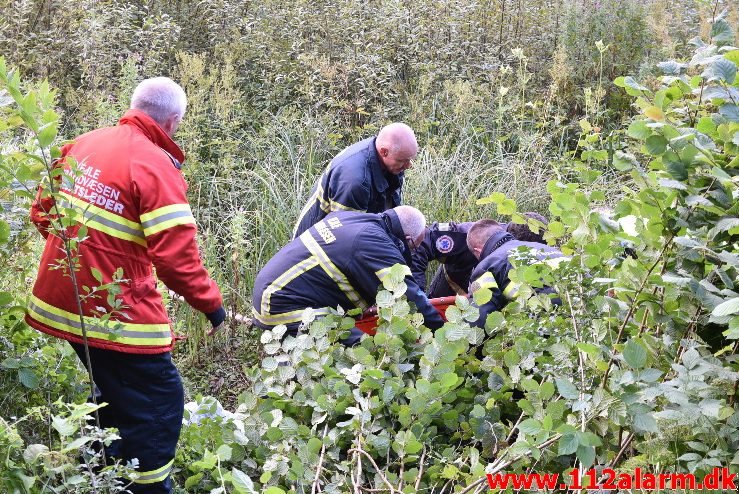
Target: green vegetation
x=562 y=107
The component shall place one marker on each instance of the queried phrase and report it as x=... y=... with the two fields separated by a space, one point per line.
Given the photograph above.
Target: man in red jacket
x=124 y=184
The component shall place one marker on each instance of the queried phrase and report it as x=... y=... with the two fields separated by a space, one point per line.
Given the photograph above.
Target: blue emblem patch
x=444 y=244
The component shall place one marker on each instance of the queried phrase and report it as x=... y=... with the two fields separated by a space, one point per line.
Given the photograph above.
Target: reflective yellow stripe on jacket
x=332 y=271
x=104 y=221
x=166 y=217
x=114 y=331
x=264 y=315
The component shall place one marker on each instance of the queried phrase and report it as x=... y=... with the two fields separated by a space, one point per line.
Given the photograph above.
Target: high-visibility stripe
x=487 y=280
x=166 y=217
x=153 y=476
x=119 y=332
x=331 y=270
x=285 y=278
x=337 y=206
x=288 y=317
x=511 y=291
x=104 y=221
x=382 y=273
x=316 y=197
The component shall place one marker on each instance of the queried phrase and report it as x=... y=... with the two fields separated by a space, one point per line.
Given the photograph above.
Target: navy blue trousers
x=145 y=403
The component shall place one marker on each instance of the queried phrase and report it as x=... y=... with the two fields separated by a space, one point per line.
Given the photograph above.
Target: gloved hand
x=217 y=319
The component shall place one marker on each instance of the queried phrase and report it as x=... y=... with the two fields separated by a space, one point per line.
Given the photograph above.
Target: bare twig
x=316 y=486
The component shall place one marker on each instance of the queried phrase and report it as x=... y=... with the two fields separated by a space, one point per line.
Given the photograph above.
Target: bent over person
x=340 y=261
x=365 y=177
x=128 y=191
x=447 y=244
x=493 y=245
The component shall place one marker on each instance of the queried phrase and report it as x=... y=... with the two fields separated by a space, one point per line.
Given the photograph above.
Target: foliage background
x=505 y=95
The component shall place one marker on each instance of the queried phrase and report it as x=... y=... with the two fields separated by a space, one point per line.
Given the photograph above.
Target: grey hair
x=160 y=98
x=411 y=220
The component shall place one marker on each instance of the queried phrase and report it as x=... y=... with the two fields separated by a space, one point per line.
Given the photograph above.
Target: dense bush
x=637 y=367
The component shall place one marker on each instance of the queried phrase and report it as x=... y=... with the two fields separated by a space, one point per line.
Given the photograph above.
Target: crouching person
x=493 y=245
x=339 y=262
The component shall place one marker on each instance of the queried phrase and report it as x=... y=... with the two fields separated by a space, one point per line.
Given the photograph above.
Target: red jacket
x=131 y=197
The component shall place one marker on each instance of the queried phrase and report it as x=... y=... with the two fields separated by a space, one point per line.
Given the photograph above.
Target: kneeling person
x=490 y=243
x=340 y=261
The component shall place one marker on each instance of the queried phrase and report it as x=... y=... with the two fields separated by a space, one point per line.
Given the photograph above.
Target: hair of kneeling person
x=481 y=232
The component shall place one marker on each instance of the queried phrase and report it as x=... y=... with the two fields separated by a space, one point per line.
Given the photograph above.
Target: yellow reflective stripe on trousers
x=331 y=270
x=104 y=221
x=153 y=476
x=288 y=317
x=118 y=332
x=166 y=217
x=282 y=280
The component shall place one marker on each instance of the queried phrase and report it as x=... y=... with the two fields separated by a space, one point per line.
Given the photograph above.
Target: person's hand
x=216 y=329
x=217 y=319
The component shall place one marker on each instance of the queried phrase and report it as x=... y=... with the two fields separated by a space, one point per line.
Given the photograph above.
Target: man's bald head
x=480 y=233
x=397 y=147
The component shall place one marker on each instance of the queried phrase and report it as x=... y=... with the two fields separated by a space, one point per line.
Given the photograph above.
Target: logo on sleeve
x=444 y=244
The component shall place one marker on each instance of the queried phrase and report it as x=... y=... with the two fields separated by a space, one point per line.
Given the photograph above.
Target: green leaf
x=730 y=111
x=241 y=481
x=586 y=454
x=644 y=422
x=721 y=33
x=482 y=296
x=635 y=355
x=639 y=130
x=273 y=490
x=4 y=231
x=193 y=480
x=567 y=389
x=656 y=145
x=507 y=207
x=546 y=390
x=726 y=308
x=530 y=427
x=720 y=70
x=97 y=274
x=567 y=445
x=224 y=452
x=5 y=298
x=28 y=378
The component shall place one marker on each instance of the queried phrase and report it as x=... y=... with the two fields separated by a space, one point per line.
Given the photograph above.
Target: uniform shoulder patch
x=444 y=244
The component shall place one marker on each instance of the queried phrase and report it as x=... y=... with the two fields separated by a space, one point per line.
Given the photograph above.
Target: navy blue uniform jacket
x=340 y=261
x=492 y=271
x=353 y=181
x=446 y=243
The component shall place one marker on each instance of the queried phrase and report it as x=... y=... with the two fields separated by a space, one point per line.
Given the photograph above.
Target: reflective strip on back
x=115 y=331
x=104 y=221
x=282 y=280
x=332 y=271
x=288 y=317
